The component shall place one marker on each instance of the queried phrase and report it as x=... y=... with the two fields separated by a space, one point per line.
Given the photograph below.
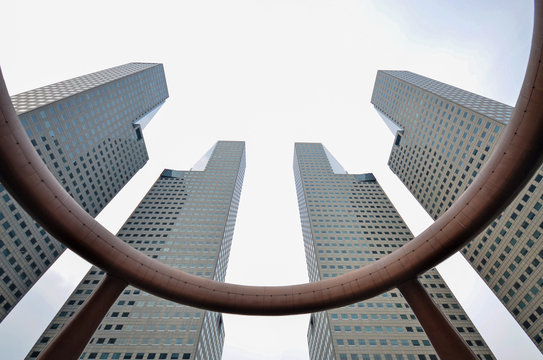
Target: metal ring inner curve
x=516 y=158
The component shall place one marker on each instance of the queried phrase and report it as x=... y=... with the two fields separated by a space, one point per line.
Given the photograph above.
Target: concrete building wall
x=84 y=130
x=444 y=142
x=348 y=222
x=186 y=221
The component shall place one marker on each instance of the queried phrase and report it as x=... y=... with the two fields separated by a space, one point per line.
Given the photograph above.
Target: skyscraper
x=88 y=131
x=186 y=221
x=348 y=222
x=443 y=136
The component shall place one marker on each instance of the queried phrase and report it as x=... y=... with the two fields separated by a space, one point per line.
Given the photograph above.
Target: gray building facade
x=187 y=221
x=348 y=222
x=88 y=131
x=443 y=136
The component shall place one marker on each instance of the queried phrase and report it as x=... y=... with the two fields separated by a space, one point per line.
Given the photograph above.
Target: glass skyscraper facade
x=443 y=136
x=348 y=222
x=186 y=221
x=88 y=131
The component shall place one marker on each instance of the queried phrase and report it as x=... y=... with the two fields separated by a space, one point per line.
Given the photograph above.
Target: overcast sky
x=270 y=73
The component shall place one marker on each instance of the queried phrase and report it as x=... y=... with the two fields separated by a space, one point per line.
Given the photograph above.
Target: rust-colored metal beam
x=70 y=342
x=515 y=159
x=448 y=344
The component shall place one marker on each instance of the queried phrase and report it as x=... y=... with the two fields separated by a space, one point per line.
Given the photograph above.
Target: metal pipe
x=448 y=344
x=516 y=158
x=70 y=342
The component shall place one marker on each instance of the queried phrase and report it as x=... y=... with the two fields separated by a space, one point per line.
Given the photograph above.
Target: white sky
x=269 y=73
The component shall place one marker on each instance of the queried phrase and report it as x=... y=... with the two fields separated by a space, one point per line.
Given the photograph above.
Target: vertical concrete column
x=74 y=336
x=448 y=344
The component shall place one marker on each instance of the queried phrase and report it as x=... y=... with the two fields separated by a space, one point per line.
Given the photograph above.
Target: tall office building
x=348 y=222
x=186 y=221
x=443 y=135
x=87 y=130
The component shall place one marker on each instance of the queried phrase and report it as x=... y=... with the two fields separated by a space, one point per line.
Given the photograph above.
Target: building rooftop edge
x=393 y=73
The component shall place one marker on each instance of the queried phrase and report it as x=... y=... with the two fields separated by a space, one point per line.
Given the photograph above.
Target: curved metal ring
x=515 y=159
